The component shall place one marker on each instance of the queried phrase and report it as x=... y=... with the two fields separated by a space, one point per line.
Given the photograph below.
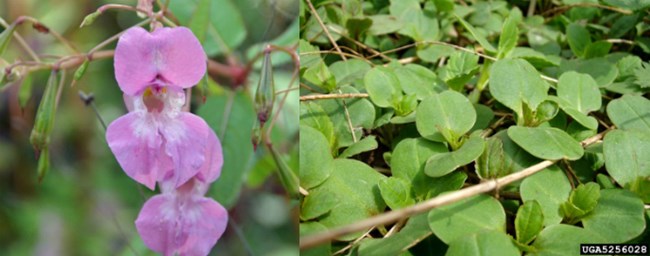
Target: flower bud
x=40 y=136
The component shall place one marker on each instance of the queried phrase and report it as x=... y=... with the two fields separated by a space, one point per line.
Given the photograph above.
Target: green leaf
x=382 y=85
x=441 y=164
x=415 y=230
x=625 y=155
x=315 y=157
x=319 y=75
x=630 y=112
x=641 y=74
x=469 y=216
x=201 y=20
x=408 y=161
x=641 y=186
x=226 y=30
x=550 y=187
x=478 y=37
x=583 y=119
x=485 y=243
x=358 y=26
x=581 y=202
x=445 y=116
x=417 y=24
x=514 y=82
x=364 y=145
x=562 y=240
x=630 y=5
x=384 y=24
x=362 y=115
x=617 y=218
x=318 y=203
x=597 y=49
x=546 y=142
x=627 y=65
x=5 y=37
x=396 y=192
x=235 y=139
x=529 y=221
x=579 y=39
x=25 y=91
x=418 y=80
x=599 y=68
x=509 y=34
x=308 y=228
x=349 y=72
x=308 y=60
x=313 y=115
x=354 y=184
x=579 y=91
x=490 y=164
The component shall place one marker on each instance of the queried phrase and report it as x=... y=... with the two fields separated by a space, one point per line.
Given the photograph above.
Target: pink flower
x=157 y=141
x=182 y=221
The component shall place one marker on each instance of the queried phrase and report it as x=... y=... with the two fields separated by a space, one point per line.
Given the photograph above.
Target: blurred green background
x=86 y=205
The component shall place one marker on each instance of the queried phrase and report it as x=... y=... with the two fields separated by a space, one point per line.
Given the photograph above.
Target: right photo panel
x=442 y=127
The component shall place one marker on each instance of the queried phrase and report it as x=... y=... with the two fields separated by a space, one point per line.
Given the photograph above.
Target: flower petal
x=188 y=225
x=137 y=152
x=211 y=168
x=180 y=58
x=185 y=142
x=172 y=55
x=133 y=61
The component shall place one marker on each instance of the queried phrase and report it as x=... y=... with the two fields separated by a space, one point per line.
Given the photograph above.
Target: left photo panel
x=149 y=127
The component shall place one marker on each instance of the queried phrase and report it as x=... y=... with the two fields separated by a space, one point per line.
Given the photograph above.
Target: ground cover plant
x=445 y=127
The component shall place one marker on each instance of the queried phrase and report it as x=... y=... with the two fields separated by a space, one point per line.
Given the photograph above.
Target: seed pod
x=265 y=95
x=256 y=135
x=40 y=136
x=80 y=71
x=43 y=164
x=89 y=19
x=5 y=37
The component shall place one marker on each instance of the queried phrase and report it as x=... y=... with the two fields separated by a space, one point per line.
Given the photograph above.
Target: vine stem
x=327 y=32
x=393 y=216
x=333 y=96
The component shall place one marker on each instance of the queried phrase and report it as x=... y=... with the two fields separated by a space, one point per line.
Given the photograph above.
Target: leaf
x=509 y=34
x=415 y=230
x=529 y=221
x=5 y=37
x=469 y=216
x=226 y=29
x=384 y=24
x=579 y=39
x=308 y=60
x=396 y=192
x=579 y=91
x=313 y=115
x=382 y=86
x=349 y=72
x=617 y=218
x=441 y=164
x=514 y=82
x=630 y=112
x=25 y=91
x=478 y=37
x=364 y=145
x=445 y=116
x=315 y=157
x=546 y=142
x=237 y=149
x=200 y=20
x=408 y=161
x=417 y=24
x=599 y=68
x=318 y=203
x=485 y=243
x=418 y=80
x=550 y=187
x=308 y=228
x=320 y=76
x=362 y=115
x=583 y=119
x=641 y=74
x=484 y=116
x=630 y=5
x=354 y=184
x=597 y=49
x=582 y=201
x=626 y=155
x=561 y=240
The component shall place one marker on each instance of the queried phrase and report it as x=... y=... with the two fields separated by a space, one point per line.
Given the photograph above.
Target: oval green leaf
x=546 y=142
x=445 y=116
